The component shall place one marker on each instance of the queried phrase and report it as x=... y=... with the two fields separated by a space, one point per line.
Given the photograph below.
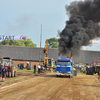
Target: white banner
x=94 y=42
x=12 y=37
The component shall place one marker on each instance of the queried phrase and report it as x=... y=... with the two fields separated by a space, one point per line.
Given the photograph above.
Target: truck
x=7 y=63
x=64 y=67
x=96 y=66
x=93 y=68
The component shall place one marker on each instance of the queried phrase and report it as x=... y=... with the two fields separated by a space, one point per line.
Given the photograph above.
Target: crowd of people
x=40 y=67
x=2 y=73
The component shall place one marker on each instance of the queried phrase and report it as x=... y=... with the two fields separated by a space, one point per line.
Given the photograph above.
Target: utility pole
x=40 y=45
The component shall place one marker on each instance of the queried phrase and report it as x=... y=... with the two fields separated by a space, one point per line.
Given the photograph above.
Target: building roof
x=32 y=54
x=26 y=53
x=87 y=57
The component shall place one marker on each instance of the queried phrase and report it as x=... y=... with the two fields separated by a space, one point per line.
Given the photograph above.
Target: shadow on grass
x=54 y=76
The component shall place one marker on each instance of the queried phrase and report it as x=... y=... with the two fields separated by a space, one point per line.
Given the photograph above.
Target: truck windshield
x=63 y=62
x=96 y=63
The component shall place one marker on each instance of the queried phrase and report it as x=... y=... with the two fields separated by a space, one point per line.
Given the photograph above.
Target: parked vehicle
x=25 y=65
x=96 y=66
x=7 y=63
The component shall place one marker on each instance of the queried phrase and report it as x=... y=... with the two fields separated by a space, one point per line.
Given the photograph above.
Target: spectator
x=34 y=68
x=3 y=73
x=99 y=75
x=18 y=67
x=39 y=68
x=45 y=66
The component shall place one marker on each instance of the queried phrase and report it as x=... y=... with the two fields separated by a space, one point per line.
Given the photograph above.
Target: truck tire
x=9 y=74
x=57 y=76
x=12 y=72
x=70 y=76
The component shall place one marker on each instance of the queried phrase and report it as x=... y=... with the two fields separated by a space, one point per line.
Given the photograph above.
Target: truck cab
x=64 y=67
x=51 y=63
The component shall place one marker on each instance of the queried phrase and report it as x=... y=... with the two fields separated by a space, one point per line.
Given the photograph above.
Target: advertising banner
x=94 y=42
x=12 y=37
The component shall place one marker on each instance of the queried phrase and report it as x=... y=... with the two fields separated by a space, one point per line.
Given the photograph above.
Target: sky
x=25 y=17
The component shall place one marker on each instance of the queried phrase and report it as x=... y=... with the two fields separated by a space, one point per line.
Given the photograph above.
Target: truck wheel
x=9 y=74
x=12 y=72
x=70 y=76
x=91 y=73
x=56 y=75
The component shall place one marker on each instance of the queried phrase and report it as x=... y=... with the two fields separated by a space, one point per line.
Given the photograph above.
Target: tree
x=27 y=43
x=53 y=43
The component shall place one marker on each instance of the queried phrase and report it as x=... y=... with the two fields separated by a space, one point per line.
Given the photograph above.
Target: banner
x=12 y=37
x=94 y=42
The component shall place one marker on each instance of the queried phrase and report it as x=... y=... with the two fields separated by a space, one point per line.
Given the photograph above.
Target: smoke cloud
x=81 y=27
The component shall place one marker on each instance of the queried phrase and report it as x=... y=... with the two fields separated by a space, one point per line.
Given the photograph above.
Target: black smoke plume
x=82 y=26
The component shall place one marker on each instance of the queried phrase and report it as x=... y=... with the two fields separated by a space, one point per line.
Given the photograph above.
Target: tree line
x=52 y=43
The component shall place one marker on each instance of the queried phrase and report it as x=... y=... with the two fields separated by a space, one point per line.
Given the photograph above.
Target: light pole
x=40 y=45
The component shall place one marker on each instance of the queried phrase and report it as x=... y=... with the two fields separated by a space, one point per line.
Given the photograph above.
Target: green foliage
x=27 y=43
x=53 y=43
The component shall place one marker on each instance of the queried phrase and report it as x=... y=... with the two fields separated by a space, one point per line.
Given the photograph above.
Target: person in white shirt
x=39 y=68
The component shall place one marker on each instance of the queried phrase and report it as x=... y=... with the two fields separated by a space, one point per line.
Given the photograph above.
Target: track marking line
x=63 y=97
x=21 y=82
x=96 y=79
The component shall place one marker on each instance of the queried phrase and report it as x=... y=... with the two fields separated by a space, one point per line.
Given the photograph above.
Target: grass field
x=85 y=74
x=14 y=79
x=25 y=70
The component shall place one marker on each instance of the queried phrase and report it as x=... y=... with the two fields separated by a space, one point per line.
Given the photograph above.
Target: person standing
x=3 y=73
x=99 y=75
x=34 y=68
x=39 y=68
x=18 y=67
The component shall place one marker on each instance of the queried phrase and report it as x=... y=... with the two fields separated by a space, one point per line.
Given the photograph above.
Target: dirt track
x=50 y=87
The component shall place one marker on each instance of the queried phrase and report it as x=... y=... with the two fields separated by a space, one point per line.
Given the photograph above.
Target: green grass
x=85 y=74
x=25 y=70
x=14 y=79
x=0 y=83
x=96 y=74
